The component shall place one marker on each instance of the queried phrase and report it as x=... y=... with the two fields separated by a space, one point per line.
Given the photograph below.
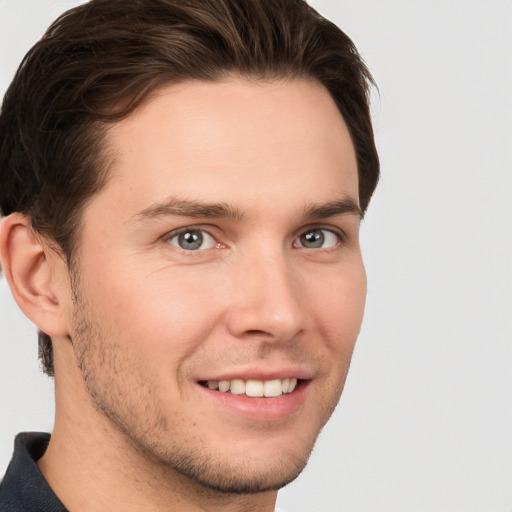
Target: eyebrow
x=343 y=206
x=193 y=209
x=185 y=208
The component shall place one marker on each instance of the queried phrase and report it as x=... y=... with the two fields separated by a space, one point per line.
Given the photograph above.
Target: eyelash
x=339 y=234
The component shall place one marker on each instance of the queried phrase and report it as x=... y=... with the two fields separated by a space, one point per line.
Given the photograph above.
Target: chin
x=240 y=468
x=244 y=479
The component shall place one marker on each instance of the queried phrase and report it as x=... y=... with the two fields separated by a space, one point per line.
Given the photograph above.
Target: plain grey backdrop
x=425 y=422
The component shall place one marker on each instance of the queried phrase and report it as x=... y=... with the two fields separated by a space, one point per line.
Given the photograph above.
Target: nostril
x=257 y=332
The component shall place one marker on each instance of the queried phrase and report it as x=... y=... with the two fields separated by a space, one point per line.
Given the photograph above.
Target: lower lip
x=261 y=408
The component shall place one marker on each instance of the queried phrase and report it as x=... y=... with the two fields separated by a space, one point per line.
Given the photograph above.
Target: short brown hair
x=97 y=62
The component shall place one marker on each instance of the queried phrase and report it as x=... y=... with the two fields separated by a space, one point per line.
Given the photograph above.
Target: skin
x=145 y=320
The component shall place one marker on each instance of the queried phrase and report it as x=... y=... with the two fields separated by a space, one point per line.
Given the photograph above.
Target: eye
x=317 y=239
x=192 y=240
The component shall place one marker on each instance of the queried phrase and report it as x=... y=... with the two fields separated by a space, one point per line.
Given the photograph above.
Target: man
x=183 y=183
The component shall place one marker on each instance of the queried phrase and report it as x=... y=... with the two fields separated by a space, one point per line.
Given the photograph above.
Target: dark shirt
x=24 y=488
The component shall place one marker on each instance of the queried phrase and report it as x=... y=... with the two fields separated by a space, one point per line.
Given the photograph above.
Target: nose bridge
x=267 y=299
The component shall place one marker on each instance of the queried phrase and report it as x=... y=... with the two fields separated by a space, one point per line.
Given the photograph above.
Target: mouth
x=253 y=388
x=258 y=400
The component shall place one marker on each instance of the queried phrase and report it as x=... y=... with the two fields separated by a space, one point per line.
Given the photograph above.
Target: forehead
x=233 y=141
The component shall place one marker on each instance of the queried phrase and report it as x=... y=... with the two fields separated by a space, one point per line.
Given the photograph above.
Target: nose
x=266 y=301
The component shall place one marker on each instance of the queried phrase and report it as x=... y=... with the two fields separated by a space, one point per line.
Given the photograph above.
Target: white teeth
x=254 y=388
x=224 y=385
x=237 y=387
x=272 y=388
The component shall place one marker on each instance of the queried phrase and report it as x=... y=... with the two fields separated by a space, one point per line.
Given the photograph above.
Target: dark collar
x=24 y=488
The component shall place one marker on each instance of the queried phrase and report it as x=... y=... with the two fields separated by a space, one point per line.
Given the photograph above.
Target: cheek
x=166 y=313
x=340 y=307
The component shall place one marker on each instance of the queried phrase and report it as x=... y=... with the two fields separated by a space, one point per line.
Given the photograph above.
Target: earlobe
x=30 y=269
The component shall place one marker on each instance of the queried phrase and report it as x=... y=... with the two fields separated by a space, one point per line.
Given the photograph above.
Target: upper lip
x=263 y=374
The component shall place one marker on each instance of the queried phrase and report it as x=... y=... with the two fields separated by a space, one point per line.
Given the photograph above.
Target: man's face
x=224 y=249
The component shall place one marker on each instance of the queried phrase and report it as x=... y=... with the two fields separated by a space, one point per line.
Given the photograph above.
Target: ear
x=36 y=274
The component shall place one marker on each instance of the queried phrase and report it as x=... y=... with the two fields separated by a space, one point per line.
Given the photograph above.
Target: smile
x=253 y=388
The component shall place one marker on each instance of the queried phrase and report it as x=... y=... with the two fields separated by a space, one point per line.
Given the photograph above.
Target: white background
x=425 y=422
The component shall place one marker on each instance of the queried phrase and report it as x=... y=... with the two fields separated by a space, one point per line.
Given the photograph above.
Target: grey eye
x=192 y=240
x=317 y=239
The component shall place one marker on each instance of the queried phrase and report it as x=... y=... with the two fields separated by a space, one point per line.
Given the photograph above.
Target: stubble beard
x=120 y=392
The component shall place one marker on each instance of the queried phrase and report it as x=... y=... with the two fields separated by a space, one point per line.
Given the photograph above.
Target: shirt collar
x=24 y=487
